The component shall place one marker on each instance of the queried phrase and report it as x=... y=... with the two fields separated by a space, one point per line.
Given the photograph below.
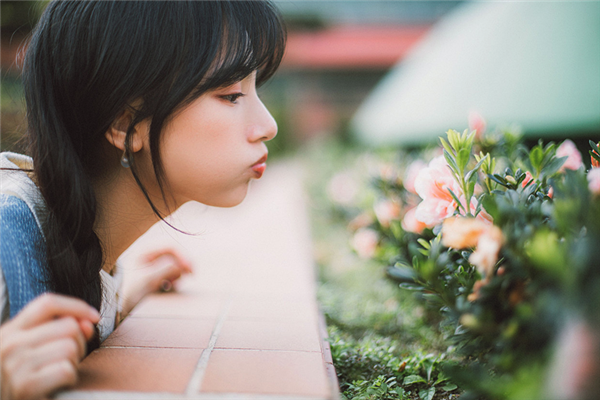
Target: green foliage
x=373 y=367
x=457 y=152
x=378 y=335
x=504 y=309
x=499 y=312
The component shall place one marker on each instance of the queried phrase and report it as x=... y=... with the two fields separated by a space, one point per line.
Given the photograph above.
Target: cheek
x=202 y=161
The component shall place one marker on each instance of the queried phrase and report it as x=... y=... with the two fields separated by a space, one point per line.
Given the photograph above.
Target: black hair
x=87 y=62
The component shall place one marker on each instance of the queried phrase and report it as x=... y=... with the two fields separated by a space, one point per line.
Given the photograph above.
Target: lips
x=260 y=166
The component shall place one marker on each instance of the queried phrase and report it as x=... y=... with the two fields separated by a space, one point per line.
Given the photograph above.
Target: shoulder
x=22 y=254
x=22 y=238
x=17 y=221
x=18 y=182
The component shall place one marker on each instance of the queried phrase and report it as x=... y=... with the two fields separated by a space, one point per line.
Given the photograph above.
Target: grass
x=385 y=345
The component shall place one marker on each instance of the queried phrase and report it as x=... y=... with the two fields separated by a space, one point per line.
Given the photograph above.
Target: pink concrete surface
x=246 y=322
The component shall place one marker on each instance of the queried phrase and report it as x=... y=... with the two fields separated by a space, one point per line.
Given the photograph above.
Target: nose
x=264 y=127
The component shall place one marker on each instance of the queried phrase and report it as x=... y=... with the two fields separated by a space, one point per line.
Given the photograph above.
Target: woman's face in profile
x=215 y=146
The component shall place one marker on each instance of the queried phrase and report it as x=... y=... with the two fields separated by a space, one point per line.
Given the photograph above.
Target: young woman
x=134 y=108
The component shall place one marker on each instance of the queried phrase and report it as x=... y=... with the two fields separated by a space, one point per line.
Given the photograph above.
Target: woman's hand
x=42 y=345
x=161 y=269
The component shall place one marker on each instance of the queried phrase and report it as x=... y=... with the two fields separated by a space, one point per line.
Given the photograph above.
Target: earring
x=125 y=160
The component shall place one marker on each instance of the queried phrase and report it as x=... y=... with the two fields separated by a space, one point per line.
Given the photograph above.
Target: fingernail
x=94 y=313
x=166 y=286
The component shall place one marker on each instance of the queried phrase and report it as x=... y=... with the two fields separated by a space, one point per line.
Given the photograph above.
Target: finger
x=87 y=328
x=169 y=272
x=63 y=328
x=50 y=306
x=53 y=352
x=153 y=255
x=53 y=377
x=176 y=256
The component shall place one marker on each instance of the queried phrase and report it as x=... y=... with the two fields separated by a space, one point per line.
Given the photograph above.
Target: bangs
x=253 y=39
x=243 y=37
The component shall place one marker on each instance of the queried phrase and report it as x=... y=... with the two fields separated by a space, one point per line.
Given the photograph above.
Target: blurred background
x=403 y=72
x=391 y=76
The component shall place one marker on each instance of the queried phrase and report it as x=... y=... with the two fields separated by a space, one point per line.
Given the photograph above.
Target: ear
x=117 y=132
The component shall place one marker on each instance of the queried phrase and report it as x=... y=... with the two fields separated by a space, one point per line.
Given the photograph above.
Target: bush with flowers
x=504 y=243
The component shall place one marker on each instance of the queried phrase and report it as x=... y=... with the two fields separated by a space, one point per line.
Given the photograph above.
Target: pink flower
x=360 y=221
x=432 y=186
x=485 y=256
x=595 y=163
x=484 y=216
x=412 y=173
x=386 y=211
x=365 y=242
x=477 y=124
x=593 y=178
x=461 y=232
x=411 y=224
x=569 y=150
x=528 y=178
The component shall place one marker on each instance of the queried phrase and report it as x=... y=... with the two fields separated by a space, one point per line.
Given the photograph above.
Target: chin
x=232 y=200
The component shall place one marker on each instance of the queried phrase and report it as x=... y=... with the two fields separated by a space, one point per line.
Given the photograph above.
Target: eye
x=232 y=98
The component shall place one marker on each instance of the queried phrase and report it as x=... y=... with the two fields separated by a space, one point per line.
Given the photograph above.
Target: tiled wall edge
x=327 y=359
x=106 y=395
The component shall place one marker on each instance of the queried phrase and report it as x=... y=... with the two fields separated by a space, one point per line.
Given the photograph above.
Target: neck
x=123 y=215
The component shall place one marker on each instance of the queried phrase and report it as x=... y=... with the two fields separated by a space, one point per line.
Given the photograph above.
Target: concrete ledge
x=245 y=325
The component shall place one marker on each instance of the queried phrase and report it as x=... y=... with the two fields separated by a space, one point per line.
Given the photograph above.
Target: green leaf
x=402 y=274
x=471 y=137
x=453 y=139
x=427 y=394
x=449 y=387
x=400 y=392
x=456 y=199
x=481 y=161
x=462 y=158
x=411 y=287
x=424 y=243
x=536 y=156
x=595 y=147
x=489 y=203
x=446 y=146
x=553 y=166
x=451 y=162
x=498 y=179
x=471 y=189
x=409 y=380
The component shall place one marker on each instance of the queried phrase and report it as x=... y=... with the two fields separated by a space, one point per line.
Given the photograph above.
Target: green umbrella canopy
x=535 y=63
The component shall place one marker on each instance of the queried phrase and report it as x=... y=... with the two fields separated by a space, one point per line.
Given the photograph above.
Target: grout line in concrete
x=266 y=350
x=195 y=382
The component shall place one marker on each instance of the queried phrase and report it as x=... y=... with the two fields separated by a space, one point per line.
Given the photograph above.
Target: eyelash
x=232 y=98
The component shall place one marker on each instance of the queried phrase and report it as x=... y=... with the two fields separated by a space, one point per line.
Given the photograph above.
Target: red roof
x=351 y=46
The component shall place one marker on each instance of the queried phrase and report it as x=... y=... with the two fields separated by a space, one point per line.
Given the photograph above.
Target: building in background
x=535 y=63
x=337 y=52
